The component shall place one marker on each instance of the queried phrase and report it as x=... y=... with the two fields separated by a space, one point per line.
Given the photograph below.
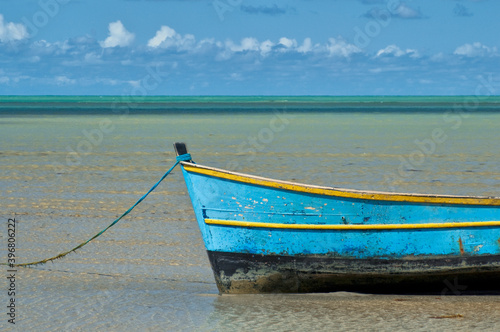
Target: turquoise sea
x=70 y=165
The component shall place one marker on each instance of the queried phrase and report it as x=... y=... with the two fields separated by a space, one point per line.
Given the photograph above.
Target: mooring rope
x=183 y=157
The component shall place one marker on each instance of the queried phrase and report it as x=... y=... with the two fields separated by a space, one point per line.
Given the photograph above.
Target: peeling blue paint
x=215 y=198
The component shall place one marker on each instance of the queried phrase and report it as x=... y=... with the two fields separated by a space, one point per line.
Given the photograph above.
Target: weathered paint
x=346 y=193
x=330 y=235
x=247 y=273
x=461 y=245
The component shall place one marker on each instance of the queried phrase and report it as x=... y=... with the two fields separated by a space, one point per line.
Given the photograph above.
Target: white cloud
x=161 y=35
x=405 y=11
x=45 y=48
x=247 y=44
x=208 y=44
x=118 y=36
x=64 y=80
x=338 y=47
x=335 y=47
x=288 y=43
x=393 y=50
x=306 y=46
x=390 y=50
x=266 y=47
x=475 y=50
x=12 y=31
x=438 y=57
x=167 y=37
x=134 y=84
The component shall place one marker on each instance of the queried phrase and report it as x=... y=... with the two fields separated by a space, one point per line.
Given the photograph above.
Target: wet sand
x=150 y=271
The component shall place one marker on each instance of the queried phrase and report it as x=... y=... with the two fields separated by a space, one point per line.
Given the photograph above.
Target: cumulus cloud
x=283 y=45
x=475 y=50
x=10 y=31
x=266 y=47
x=287 y=44
x=118 y=36
x=397 y=10
x=167 y=37
x=306 y=46
x=339 y=47
x=246 y=44
x=64 y=80
x=161 y=35
x=393 y=50
x=405 y=11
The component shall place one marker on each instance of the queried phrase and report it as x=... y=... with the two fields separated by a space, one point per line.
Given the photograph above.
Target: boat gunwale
x=351 y=227
x=369 y=195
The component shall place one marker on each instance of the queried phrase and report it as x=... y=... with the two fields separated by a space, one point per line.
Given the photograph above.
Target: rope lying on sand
x=183 y=157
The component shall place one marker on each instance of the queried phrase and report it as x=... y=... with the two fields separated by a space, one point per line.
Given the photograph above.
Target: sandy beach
x=150 y=271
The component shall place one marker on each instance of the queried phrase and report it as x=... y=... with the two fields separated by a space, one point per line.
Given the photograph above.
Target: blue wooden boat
x=264 y=235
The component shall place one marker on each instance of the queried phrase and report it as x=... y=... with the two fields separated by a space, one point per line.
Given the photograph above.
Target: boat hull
x=238 y=273
x=264 y=235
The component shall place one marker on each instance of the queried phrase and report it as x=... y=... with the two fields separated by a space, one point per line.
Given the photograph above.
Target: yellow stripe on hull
x=250 y=224
x=342 y=193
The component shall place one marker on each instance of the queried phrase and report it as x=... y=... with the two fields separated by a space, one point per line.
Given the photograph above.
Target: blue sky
x=243 y=47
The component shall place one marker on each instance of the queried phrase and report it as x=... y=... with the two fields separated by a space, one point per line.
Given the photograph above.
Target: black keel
x=237 y=273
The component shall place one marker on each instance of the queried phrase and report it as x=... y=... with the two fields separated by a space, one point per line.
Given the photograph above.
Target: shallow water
x=67 y=176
